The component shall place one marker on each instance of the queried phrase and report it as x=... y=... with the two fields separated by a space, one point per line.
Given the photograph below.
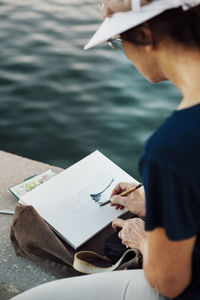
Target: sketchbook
x=70 y=201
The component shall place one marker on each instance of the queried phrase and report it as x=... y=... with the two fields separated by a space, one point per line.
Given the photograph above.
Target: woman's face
x=144 y=61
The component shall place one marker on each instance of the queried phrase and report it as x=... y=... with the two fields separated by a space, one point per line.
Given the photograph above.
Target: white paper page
x=69 y=202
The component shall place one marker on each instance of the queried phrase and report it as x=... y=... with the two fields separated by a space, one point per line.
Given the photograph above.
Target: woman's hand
x=132 y=232
x=134 y=202
x=109 y=7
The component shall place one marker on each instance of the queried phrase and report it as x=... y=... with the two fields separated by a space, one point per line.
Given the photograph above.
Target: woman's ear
x=149 y=48
x=140 y=35
x=147 y=34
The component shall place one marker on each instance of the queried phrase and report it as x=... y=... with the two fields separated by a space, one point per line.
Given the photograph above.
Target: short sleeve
x=171 y=202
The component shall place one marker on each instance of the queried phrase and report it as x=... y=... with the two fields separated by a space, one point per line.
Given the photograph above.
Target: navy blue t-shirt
x=170 y=169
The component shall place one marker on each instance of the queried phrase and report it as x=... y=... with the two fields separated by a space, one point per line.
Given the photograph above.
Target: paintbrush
x=124 y=193
x=6 y=212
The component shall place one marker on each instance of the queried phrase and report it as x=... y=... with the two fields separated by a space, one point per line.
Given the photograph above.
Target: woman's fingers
x=116 y=206
x=109 y=7
x=145 y=2
x=119 y=200
x=134 y=201
x=117 y=223
x=106 y=12
x=116 y=191
x=122 y=187
x=132 y=232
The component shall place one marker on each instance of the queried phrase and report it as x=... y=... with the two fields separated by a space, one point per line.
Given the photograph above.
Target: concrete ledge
x=17 y=273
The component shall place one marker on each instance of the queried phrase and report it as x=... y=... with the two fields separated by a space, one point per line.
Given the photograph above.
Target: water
x=58 y=102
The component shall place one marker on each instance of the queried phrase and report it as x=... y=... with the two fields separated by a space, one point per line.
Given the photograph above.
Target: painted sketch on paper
x=103 y=195
x=96 y=193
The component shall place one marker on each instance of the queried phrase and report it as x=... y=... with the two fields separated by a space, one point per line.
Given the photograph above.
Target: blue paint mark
x=96 y=197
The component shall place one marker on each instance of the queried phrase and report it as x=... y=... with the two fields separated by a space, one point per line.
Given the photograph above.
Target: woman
x=163 y=42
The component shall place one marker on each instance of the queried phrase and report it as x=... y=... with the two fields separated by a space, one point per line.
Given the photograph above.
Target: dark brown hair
x=181 y=26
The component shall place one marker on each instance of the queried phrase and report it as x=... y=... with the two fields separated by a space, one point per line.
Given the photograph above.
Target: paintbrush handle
x=131 y=190
x=6 y=212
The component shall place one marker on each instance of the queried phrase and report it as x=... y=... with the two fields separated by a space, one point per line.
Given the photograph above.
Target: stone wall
x=16 y=273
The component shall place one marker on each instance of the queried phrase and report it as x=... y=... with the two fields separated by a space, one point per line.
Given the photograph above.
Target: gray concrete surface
x=17 y=274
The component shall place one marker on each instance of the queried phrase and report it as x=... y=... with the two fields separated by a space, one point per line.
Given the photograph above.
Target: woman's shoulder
x=176 y=143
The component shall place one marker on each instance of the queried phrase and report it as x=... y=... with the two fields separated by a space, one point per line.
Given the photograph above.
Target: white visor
x=122 y=21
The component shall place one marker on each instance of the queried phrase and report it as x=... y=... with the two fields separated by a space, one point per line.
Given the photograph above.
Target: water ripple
x=58 y=102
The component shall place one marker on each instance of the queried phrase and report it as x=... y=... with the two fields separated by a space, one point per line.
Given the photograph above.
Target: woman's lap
x=118 y=285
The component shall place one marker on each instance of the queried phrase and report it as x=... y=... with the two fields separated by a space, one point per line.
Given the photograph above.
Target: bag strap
x=82 y=265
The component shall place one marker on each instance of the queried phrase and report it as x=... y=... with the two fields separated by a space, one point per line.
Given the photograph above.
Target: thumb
x=118 y=200
x=117 y=223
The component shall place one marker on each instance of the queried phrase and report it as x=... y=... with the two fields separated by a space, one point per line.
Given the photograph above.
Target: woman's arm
x=167 y=264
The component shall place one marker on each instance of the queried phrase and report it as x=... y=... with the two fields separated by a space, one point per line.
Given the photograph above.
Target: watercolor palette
x=31 y=183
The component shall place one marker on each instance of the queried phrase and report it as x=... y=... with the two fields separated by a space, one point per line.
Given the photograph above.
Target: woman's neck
x=182 y=67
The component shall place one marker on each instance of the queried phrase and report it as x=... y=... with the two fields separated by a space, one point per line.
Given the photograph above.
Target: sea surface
x=58 y=103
